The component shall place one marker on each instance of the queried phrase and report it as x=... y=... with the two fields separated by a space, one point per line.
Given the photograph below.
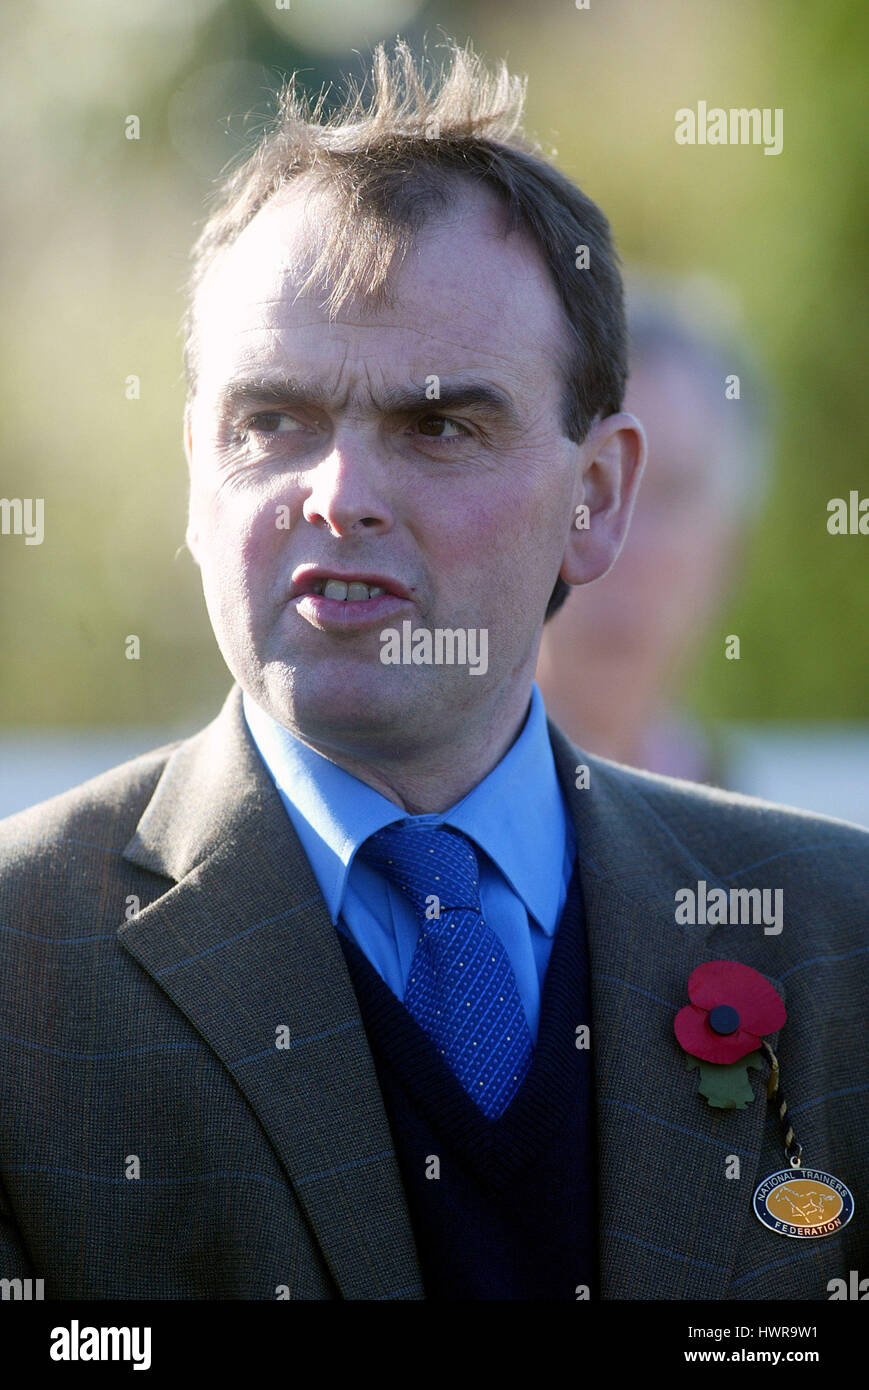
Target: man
x=367 y=990
x=614 y=658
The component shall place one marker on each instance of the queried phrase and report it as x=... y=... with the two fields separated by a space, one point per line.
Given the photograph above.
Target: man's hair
x=404 y=158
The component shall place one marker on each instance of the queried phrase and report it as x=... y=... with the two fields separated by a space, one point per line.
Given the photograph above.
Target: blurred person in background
x=617 y=655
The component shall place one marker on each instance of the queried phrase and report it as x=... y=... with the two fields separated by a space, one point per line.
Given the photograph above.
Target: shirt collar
x=517 y=813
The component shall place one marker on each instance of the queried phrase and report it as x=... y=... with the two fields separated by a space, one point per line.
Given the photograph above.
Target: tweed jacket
x=161 y=930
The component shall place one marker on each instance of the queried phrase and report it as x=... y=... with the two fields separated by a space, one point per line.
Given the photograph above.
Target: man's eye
x=271 y=422
x=436 y=426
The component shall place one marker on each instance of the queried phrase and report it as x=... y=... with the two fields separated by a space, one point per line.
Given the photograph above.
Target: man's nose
x=348 y=488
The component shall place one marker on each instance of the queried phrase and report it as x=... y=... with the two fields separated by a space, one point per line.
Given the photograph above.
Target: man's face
x=458 y=507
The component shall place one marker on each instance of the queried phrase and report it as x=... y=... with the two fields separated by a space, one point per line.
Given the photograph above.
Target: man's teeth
x=354 y=592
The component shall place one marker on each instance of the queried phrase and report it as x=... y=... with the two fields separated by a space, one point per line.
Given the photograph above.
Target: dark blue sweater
x=511 y=1214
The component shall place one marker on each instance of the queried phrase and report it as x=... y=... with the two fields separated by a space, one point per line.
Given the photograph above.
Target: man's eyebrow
x=398 y=400
x=266 y=391
x=456 y=395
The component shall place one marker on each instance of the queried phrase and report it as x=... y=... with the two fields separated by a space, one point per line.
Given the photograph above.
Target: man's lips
x=345 y=601
x=313 y=580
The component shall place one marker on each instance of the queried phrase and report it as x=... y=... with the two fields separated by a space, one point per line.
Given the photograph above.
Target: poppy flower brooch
x=722 y=1029
x=723 y=1032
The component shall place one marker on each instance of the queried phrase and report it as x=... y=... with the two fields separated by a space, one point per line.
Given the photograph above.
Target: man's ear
x=612 y=458
x=191 y=536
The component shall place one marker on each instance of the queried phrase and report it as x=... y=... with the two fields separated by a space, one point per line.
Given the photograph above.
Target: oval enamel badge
x=803 y=1203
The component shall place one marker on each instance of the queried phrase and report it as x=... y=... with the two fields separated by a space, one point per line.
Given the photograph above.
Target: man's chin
x=348 y=708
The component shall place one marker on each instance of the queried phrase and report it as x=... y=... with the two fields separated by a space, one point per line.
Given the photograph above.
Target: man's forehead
x=462 y=288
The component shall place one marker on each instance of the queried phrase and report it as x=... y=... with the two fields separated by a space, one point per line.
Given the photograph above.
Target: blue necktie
x=461 y=988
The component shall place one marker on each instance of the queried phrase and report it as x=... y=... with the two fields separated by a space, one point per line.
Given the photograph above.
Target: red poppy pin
x=732 y=1008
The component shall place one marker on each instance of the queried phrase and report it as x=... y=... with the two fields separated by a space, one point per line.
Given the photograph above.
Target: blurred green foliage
x=97 y=235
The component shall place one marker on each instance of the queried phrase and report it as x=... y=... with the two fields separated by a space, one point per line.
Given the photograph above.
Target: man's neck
x=435 y=778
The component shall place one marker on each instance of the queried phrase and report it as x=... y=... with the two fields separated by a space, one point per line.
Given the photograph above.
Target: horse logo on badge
x=803 y=1203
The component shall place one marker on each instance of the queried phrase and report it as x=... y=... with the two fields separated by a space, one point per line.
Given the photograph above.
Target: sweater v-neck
x=498 y=1149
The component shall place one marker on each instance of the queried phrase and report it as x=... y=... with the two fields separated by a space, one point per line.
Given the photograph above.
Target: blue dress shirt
x=516 y=816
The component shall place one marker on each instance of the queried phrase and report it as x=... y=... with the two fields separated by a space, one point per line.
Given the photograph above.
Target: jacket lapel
x=670 y=1219
x=243 y=944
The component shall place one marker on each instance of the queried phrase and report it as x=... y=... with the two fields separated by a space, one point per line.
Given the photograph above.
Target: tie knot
x=427 y=861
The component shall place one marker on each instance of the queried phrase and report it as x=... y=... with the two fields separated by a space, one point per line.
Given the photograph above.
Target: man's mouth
x=353 y=592
x=345 y=588
x=344 y=603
